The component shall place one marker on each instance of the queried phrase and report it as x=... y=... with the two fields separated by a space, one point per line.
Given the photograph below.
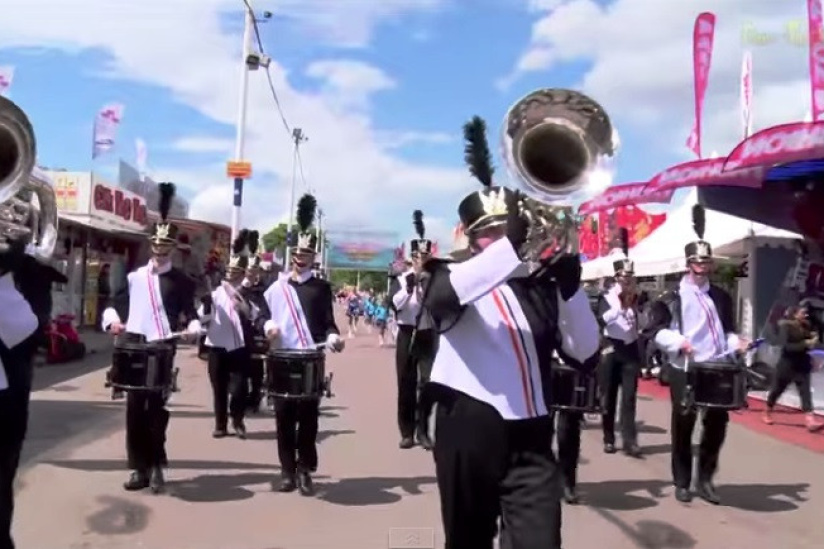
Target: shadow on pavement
x=651 y=534
x=763 y=498
x=618 y=495
x=213 y=488
x=119 y=516
x=322 y=434
x=107 y=465
x=55 y=374
x=370 y=490
x=650 y=429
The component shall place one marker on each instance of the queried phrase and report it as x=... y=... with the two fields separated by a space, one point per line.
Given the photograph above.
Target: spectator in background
x=104 y=293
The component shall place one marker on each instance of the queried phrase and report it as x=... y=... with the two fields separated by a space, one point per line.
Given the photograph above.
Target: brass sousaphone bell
x=559 y=147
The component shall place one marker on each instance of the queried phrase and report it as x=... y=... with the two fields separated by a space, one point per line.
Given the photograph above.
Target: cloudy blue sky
x=381 y=88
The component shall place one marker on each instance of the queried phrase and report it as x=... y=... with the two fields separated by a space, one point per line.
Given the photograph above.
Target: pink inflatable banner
x=814 y=21
x=703 y=35
x=630 y=194
x=778 y=145
x=706 y=173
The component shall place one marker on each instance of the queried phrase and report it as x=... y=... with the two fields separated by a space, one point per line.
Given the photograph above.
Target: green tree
x=275 y=239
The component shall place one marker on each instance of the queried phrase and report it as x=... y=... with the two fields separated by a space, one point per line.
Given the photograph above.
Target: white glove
x=335 y=343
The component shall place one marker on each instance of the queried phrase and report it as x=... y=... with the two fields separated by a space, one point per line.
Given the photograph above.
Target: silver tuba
x=558 y=146
x=33 y=223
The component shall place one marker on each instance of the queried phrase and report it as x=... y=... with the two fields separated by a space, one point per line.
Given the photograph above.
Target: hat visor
x=485 y=222
x=154 y=239
x=297 y=250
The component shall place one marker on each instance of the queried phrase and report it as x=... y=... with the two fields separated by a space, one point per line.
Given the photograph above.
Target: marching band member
x=18 y=343
x=617 y=309
x=499 y=326
x=698 y=325
x=302 y=316
x=415 y=349
x=156 y=300
x=228 y=336
x=252 y=290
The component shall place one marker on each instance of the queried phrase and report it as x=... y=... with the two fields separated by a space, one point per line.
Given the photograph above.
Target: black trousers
x=257 y=367
x=682 y=425
x=296 y=422
x=620 y=370
x=489 y=468
x=146 y=422
x=568 y=438
x=228 y=374
x=14 y=420
x=413 y=362
x=792 y=368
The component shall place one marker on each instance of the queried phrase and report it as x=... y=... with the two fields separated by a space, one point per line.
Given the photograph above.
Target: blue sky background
x=445 y=60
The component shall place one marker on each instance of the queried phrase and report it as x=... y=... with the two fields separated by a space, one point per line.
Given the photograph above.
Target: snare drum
x=142 y=366
x=719 y=385
x=573 y=391
x=295 y=373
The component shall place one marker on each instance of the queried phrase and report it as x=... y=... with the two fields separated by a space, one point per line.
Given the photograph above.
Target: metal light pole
x=320 y=237
x=298 y=137
x=243 y=102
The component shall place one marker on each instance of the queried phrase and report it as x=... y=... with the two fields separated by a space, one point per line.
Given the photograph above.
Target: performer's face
x=480 y=239
x=253 y=275
x=162 y=252
x=626 y=280
x=302 y=261
x=702 y=269
x=419 y=260
x=234 y=276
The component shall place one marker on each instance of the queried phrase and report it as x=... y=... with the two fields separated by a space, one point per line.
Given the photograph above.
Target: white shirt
x=621 y=324
x=17 y=320
x=701 y=327
x=490 y=353
x=225 y=330
x=409 y=305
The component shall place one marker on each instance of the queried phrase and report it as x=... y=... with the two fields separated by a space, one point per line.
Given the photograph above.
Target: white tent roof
x=662 y=252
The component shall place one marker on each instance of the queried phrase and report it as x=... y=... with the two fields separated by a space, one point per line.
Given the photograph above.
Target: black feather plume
x=699 y=220
x=306 y=211
x=476 y=151
x=240 y=242
x=254 y=242
x=166 y=192
x=417 y=220
x=623 y=239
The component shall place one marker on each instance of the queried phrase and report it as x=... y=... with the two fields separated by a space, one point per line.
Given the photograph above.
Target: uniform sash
x=225 y=329
x=288 y=314
x=147 y=314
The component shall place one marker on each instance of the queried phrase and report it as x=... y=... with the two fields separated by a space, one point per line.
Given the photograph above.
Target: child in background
x=381 y=314
x=353 y=306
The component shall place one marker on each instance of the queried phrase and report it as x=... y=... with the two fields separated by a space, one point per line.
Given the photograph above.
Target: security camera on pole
x=240 y=169
x=298 y=137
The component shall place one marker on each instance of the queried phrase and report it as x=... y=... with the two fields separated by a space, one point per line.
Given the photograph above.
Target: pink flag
x=702 y=38
x=814 y=20
x=105 y=128
x=6 y=77
x=746 y=94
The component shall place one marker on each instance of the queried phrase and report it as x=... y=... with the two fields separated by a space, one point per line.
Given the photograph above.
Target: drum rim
x=716 y=366
x=295 y=353
x=143 y=347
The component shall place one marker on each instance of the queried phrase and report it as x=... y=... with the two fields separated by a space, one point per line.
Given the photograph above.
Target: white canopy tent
x=662 y=252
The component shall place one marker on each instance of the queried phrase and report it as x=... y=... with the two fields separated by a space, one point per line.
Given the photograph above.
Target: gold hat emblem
x=162 y=230
x=703 y=248
x=494 y=203
x=305 y=240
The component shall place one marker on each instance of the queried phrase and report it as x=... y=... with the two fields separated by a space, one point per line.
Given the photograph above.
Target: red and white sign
x=119 y=206
x=706 y=173
x=626 y=195
x=779 y=145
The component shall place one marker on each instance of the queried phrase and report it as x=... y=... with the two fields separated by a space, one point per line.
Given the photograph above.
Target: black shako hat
x=239 y=257
x=488 y=206
x=420 y=245
x=624 y=266
x=305 y=240
x=698 y=250
x=164 y=232
x=254 y=245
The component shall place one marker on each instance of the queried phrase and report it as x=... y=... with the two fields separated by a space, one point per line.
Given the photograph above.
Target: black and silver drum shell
x=295 y=374
x=718 y=385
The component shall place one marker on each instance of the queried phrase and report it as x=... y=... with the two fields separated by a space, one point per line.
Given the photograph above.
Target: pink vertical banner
x=703 y=35
x=814 y=20
x=746 y=94
x=105 y=128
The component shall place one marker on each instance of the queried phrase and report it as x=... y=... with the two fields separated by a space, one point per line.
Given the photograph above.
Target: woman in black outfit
x=796 y=338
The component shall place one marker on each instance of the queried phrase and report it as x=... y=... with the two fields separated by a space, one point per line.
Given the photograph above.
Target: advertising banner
x=361 y=250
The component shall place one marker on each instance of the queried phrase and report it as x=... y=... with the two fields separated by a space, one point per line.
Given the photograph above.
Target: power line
x=300 y=168
x=268 y=73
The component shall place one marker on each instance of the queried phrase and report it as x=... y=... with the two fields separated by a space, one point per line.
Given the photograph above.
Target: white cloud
x=641 y=64
x=204 y=144
x=396 y=140
x=195 y=59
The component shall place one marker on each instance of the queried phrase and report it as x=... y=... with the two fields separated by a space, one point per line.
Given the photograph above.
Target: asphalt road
x=371 y=495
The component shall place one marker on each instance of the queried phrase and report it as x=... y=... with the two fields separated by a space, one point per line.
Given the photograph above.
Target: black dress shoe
x=239 y=428
x=157 y=482
x=219 y=433
x=683 y=495
x=406 y=443
x=287 y=484
x=138 y=480
x=609 y=448
x=423 y=439
x=305 y=484
x=571 y=495
x=632 y=450
x=706 y=491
